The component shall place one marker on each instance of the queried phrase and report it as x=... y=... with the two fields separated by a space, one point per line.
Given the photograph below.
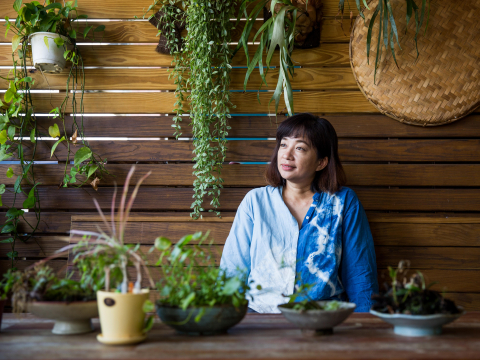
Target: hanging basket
x=47 y=59
x=443 y=85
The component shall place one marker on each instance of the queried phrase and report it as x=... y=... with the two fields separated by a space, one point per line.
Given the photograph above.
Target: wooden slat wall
x=419 y=185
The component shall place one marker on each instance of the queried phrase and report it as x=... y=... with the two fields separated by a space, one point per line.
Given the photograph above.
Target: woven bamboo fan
x=443 y=85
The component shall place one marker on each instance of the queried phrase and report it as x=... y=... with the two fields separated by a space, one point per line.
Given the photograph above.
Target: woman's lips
x=287 y=167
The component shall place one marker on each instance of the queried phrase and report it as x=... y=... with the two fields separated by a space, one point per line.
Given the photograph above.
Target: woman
x=305 y=227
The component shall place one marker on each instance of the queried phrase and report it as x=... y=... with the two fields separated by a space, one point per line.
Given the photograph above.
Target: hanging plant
x=202 y=67
x=280 y=30
x=18 y=121
x=387 y=26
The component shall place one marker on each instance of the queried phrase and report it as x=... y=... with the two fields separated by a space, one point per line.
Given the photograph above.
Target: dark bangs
x=321 y=136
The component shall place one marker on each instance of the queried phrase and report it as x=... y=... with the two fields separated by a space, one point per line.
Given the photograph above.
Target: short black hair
x=322 y=136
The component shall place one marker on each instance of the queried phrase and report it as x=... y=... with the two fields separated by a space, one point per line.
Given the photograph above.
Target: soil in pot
x=215 y=320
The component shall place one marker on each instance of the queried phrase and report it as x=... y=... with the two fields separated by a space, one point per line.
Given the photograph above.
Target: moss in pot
x=71 y=303
x=197 y=297
x=309 y=314
x=411 y=307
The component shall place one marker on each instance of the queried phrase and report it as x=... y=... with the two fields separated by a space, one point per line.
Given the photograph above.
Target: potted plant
x=6 y=284
x=412 y=307
x=321 y=316
x=196 y=296
x=121 y=307
x=40 y=291
x=49 y=28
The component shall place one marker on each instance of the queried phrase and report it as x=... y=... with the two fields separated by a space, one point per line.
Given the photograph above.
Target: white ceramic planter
x=70 y=318
x=47 y=59
x=121 y=317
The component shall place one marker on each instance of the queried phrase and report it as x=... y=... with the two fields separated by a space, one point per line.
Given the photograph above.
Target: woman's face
x=297 y=160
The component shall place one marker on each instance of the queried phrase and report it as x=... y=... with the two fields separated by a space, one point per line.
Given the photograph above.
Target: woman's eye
x=300 y=148
x=282 y=145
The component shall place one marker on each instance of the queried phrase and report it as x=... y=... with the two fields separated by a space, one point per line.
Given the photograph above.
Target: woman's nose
x=288 y=153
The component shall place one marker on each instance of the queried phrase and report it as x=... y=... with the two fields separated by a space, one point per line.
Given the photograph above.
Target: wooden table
x=362 y=336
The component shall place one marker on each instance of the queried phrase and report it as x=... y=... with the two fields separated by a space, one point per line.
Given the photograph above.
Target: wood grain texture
x=329 y=54
x=180 y=199
x=158 y=79
x=351 y=126
x=141 y=31
x=409 y=236
x=111 y=9
x=467 y=175
x=162 y=102
x=350 y=150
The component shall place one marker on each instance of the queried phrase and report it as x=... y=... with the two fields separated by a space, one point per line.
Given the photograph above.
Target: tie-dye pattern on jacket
x=333 y=250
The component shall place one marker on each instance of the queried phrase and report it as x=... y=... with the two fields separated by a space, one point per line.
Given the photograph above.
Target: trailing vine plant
x=202 y=67
x=19 y=129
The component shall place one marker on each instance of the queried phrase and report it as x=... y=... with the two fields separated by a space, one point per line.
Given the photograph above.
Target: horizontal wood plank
x=162 y=102
x=387 y=235
x=329 y=54
x=100 y=9
x=180 y=199
x=158 y=79
x=350 y=150
x=351 y=126
x=467 y=175
x=141 y=31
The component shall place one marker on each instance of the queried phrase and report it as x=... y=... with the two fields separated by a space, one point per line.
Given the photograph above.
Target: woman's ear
x=322 y=164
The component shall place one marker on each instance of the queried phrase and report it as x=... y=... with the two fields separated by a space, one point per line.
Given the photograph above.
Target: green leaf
x=91 y=170
x=7 y=241
x=148 y=306
x=2 y=189
x=30 y=200
x=162 y=243
x=185 y=302
x=86 y=30
x=99 y=28
x=3 y=137
x=148 y=324
x=32 y=136
x=17 y=5
x=231 y=286
x=54 y=131
x=56 y=144
x=73 y=34
x=3 y=154
x=45 y=40
x=8 y=228
x=14 y=212
x=11 y=132
x=12 y=254
x=10 y=173
x=59 y=41
x=82 y=155
x=16 y=42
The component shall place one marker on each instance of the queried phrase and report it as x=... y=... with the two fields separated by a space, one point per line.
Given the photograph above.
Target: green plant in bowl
x=196 y=296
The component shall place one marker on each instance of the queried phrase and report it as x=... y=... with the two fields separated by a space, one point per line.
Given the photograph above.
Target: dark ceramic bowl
x=215 y=320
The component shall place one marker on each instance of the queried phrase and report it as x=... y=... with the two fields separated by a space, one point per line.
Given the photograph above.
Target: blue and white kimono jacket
x=333 y=250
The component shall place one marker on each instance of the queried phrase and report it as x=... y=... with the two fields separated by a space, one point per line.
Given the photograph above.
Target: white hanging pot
x=48 y=59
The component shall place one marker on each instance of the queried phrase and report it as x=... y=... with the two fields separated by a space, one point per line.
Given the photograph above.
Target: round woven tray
x=443 y=85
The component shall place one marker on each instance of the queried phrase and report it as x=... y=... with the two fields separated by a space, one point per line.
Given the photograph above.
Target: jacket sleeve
x=358 y=265
x=236 y=252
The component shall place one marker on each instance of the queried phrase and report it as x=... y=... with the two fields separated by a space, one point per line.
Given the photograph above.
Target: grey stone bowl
x=418 y=325
x=322 y=321
x=70 y=318
x=215 y=320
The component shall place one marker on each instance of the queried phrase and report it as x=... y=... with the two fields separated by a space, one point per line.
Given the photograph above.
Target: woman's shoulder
x=261 y=193
x=348 y=197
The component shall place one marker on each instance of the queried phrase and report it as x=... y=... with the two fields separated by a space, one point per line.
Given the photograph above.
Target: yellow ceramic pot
x=121 y=317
